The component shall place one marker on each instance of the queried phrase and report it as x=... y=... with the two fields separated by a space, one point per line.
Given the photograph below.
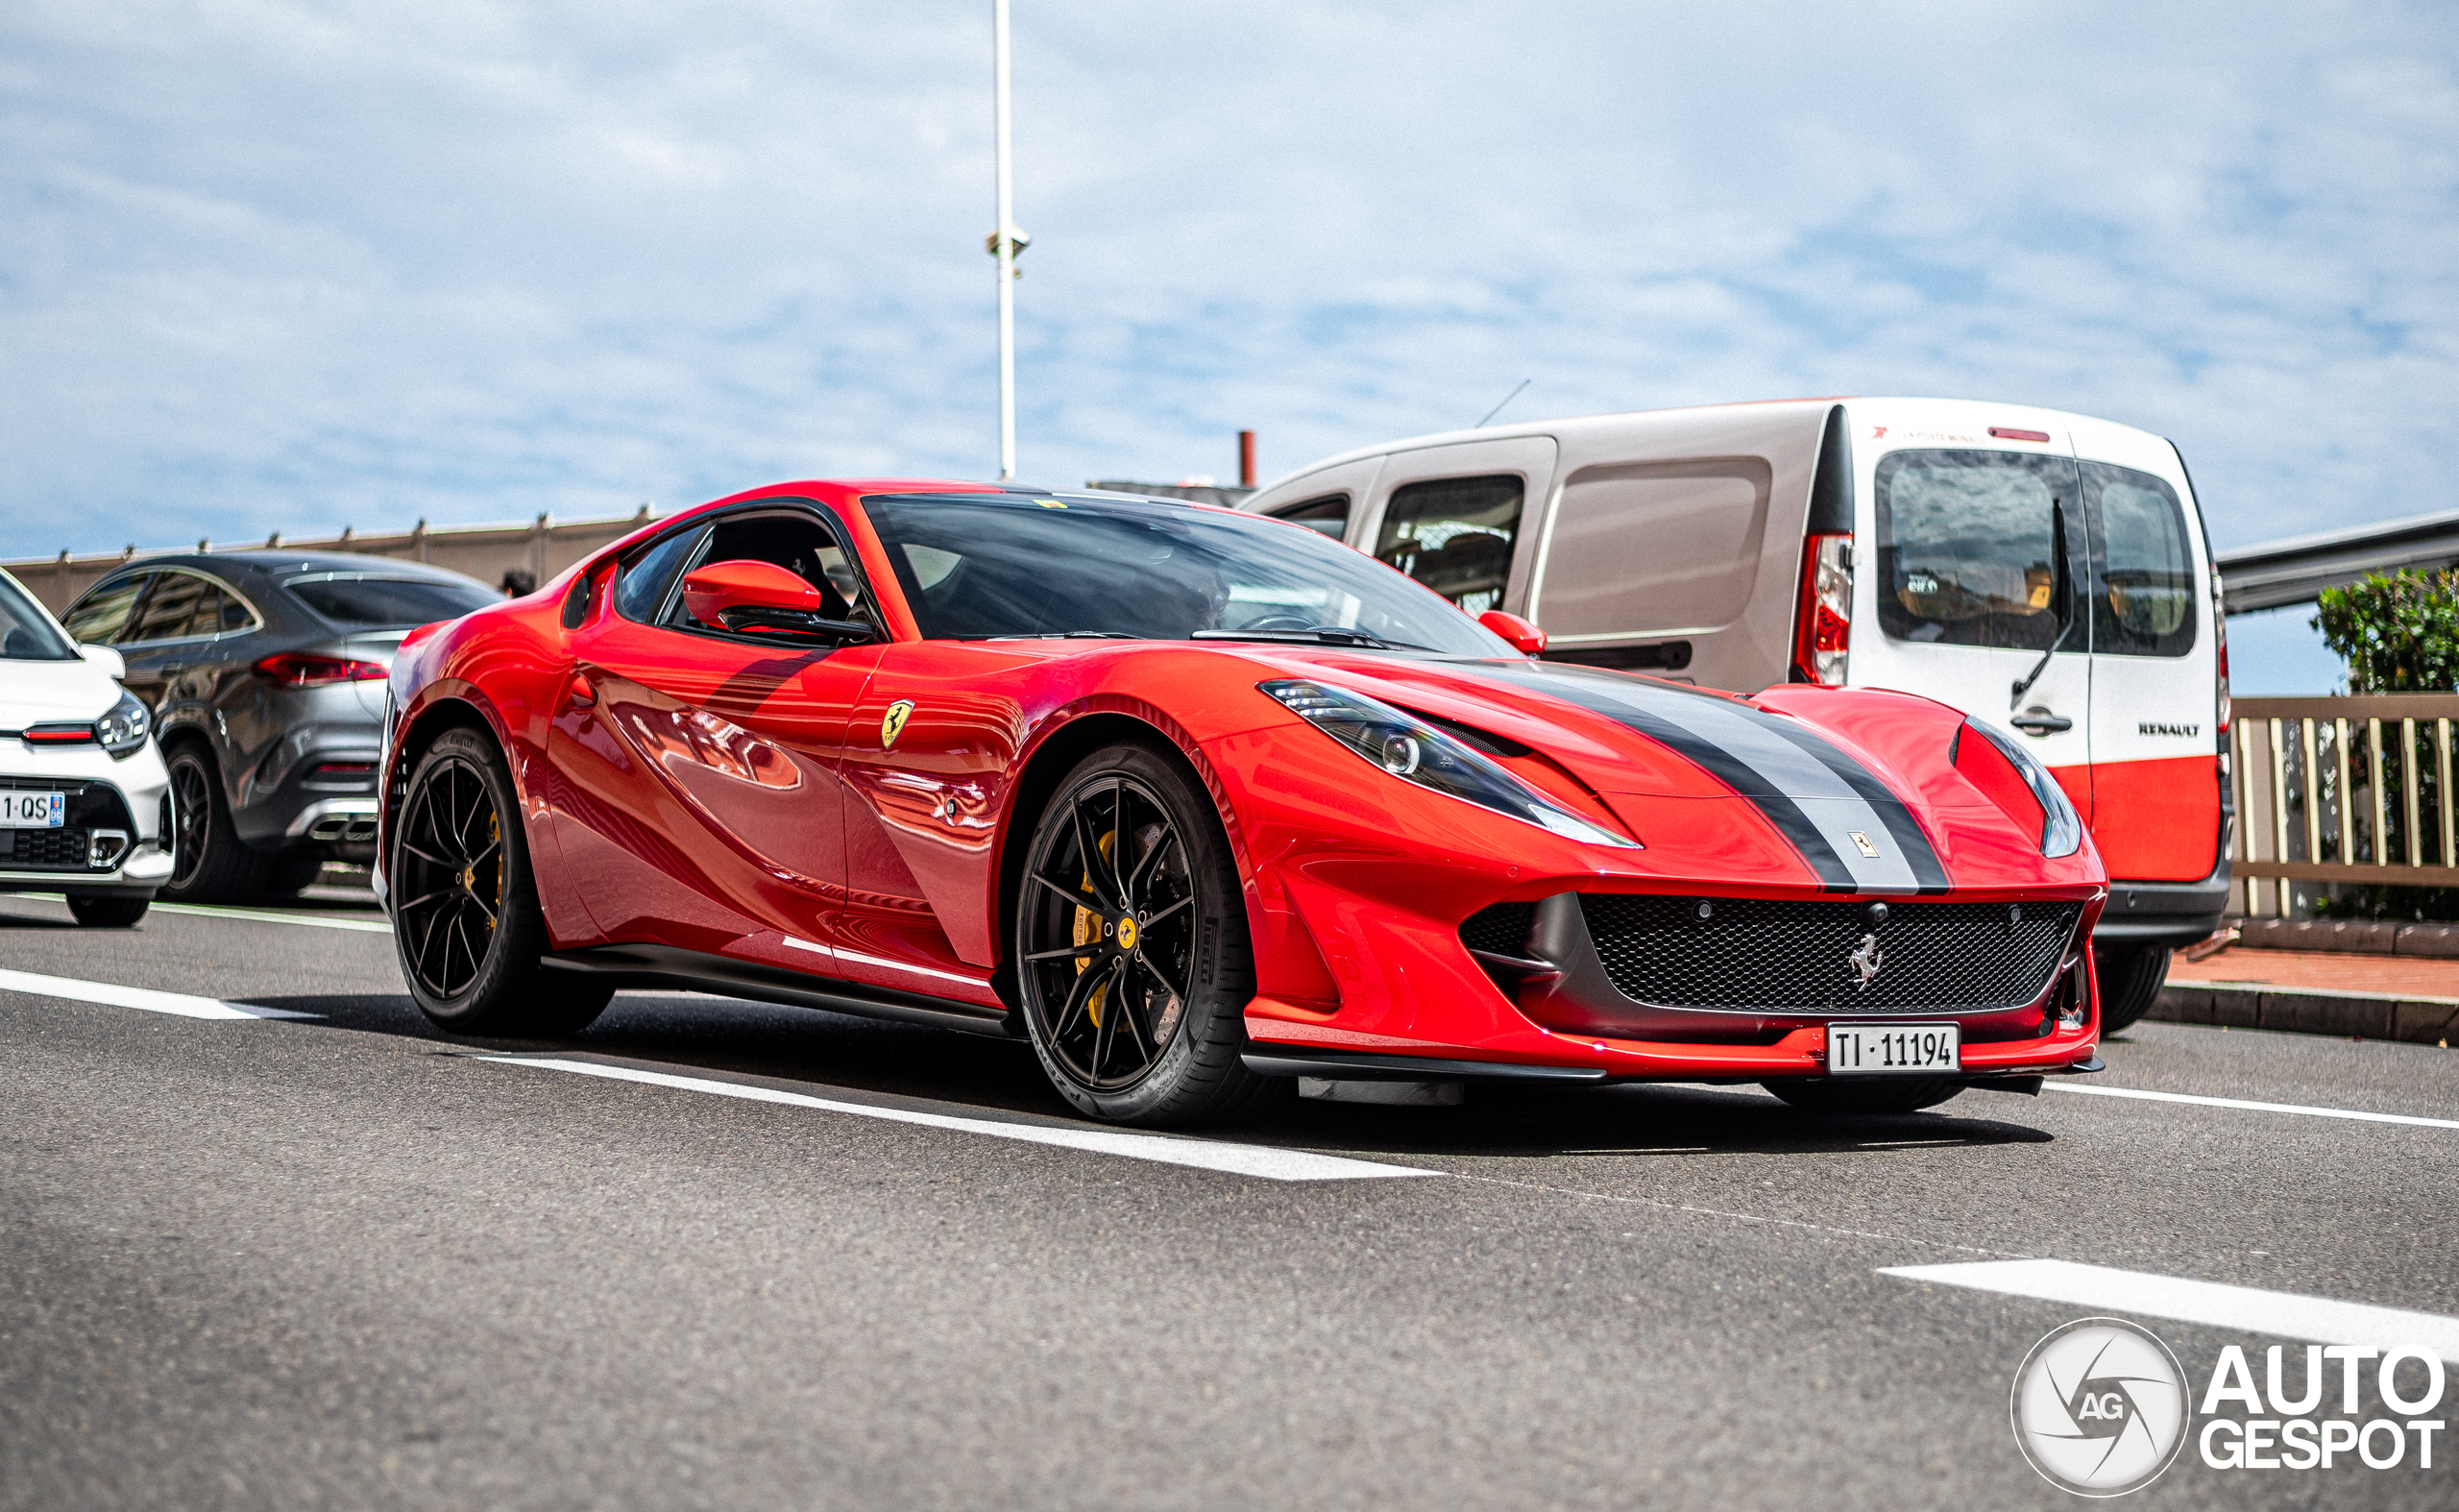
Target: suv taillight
x=293 y=670
x=1823 y=633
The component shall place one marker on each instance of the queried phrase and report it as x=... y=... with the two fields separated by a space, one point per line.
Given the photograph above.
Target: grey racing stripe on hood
x=1817 y=796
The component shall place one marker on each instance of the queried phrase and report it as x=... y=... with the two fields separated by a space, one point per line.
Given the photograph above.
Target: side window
x=170 y=608
x=799 y=543
x=643 y=579
x=101 y=616
x=1647 y=548
x=2142 y=565
x=1978 y=549
x=1328 y=515
x=1455 y=535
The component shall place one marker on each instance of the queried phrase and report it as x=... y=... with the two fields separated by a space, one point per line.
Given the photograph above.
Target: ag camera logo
x=2100 y=1407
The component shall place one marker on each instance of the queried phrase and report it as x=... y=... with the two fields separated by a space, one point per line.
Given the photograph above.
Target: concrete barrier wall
x=544 y=547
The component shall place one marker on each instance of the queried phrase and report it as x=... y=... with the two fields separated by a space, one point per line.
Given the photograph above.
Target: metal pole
x=1007 y=248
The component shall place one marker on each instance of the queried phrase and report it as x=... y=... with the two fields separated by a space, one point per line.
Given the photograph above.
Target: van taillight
x=2220 y=627
x=1823 y=632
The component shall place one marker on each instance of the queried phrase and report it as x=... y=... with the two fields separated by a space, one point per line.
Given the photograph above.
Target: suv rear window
x=389 y=602
x=1975 y=549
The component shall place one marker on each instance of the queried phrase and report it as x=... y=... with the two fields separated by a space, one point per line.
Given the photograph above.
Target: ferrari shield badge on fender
x=892 y=722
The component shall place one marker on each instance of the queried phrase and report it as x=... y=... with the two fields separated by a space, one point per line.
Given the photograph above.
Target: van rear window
x=1973 y=548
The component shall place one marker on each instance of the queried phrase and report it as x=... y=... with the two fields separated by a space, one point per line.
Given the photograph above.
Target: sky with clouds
x=277 y=265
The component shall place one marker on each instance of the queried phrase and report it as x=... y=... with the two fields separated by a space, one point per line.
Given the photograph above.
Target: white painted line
x=2284 y=1314
x=363 y=925
x=1238 y=1159
x=2256 y=1107
x=369 y=926
x=144 y=997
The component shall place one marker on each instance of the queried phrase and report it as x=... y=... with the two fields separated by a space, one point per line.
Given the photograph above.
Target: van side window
x=1455 y=535
x=1654 y=546
x=2142 y=565
x=1975 y=549
x=1329 y=514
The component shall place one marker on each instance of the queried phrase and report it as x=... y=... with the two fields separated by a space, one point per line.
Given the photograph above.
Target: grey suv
x=265 y=671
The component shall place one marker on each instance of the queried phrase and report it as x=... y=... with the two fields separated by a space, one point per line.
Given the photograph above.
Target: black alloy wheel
x=1130 y=946
x=466 y=922
x=209 y=862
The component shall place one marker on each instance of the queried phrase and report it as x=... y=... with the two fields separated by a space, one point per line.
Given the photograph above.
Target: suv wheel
x=209 y=862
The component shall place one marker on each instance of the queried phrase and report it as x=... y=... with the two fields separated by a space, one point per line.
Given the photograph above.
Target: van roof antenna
x=1497 y=409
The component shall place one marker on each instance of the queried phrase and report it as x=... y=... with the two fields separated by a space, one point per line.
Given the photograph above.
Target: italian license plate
x=1891 y=1049
x=33 y=811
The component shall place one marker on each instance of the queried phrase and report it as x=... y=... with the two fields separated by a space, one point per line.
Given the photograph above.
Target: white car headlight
x=123 y=731
x=1415 y=751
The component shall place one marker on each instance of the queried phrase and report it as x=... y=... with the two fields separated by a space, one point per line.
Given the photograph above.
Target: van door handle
x=2042 y=723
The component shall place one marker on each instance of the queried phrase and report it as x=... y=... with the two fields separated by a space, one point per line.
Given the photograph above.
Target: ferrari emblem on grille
x=892 y=722
x=1867 y=963
x=1863 y=842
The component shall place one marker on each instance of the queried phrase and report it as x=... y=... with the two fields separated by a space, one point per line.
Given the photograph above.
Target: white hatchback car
x=84 y=801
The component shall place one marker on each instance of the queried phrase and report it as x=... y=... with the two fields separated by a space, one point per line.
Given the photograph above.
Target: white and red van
x=2045 y=571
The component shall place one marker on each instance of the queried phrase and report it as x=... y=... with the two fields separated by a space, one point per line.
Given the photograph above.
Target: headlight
x=2061 y=828
x=122 y=731
x=1415 y=751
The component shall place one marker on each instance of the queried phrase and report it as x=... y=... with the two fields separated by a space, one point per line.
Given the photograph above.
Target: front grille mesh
x=44 y=850
x=1757 y=955
x=1499 y=929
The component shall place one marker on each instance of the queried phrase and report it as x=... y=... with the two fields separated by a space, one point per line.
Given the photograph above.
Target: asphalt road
x=342 y=1261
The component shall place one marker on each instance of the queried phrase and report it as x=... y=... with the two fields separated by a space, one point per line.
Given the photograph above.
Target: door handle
x=2037 y=722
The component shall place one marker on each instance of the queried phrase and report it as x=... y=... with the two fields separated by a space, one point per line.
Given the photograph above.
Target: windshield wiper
x=1320 y=635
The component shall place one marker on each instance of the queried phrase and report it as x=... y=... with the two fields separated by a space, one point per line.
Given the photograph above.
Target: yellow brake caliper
x=1088 y=932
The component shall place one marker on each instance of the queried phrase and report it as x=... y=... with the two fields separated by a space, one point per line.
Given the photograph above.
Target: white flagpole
x=1005 y=249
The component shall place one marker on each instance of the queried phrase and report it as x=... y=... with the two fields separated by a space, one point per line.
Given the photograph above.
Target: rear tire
x=466 y=922
x=1140 y=1025
x=108 y=913
x=1855 y=1099
x=294 y=870
x=209 y=862
x=2131 y=976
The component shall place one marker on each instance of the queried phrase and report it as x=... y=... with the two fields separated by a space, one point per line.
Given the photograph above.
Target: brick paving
x=2325 y=971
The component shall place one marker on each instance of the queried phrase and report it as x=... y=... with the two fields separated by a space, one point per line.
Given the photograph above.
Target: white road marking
x=2282 y=1313
x=1238 y=1159
x=144 y=997
x=2257 y=1107
x=368 y=926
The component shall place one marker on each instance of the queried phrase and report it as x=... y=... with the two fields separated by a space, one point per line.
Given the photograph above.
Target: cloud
x=269 y=265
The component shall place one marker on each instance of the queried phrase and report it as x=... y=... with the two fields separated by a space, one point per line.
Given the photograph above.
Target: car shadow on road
x=826 y=1052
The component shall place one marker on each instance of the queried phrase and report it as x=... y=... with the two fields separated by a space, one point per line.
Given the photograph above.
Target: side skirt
x=665 y=965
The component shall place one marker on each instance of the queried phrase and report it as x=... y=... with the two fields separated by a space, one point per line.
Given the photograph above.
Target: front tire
x=1855 y=1099
x=1130 y=946
x=209 y=862
x=2131 y=976
x=466 y=922
x=108 y=913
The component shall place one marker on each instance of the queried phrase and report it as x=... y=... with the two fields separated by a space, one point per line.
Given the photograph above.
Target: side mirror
x=1523 y=635
x=765 y=597
x=112 y=664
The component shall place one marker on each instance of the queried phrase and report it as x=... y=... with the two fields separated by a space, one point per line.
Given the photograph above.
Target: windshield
x=26 y=632
x=977 y=566
x=390 y=601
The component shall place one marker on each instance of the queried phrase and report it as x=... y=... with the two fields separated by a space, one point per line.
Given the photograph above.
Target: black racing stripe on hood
x=1901 y=826
x=1779 y=810
x=1622 y=705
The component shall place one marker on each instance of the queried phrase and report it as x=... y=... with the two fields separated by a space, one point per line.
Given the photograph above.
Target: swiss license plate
x=1890 y=1049
x=33 y=811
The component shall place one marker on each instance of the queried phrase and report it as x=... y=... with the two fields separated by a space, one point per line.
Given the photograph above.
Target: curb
x=2350 y=936
x=2363 y=1015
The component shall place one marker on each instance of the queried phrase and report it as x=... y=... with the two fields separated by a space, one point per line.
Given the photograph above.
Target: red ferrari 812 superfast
x=1200 y=803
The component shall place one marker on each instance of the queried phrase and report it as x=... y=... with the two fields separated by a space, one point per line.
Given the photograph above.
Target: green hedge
x=2398 y=633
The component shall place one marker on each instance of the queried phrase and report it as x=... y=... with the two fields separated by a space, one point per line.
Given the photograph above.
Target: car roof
x=262 y=563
